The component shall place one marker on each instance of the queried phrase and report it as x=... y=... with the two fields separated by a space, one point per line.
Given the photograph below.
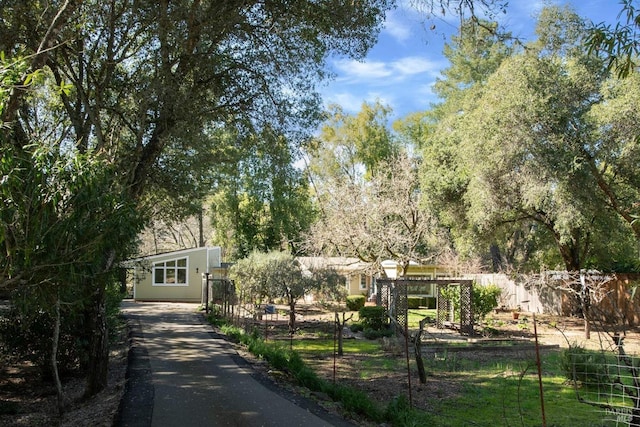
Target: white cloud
x=397 y=27
x=414 y=65
x=351 y=69
x=350 y=102
x=379 y=72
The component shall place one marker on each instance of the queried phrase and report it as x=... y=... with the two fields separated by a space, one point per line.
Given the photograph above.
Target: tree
x=618 y=44
x=134 y=84
x=474 y=54
x=273 y=275
x=528 y=156
x=58 y=216
x=261 y=200
x=352 y=147
x=377 y=220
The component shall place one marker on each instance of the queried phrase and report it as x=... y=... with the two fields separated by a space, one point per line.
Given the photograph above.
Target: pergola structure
x=393 y=295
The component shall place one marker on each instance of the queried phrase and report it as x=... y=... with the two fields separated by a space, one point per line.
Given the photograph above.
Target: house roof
x=343 y=264
x=164 y=254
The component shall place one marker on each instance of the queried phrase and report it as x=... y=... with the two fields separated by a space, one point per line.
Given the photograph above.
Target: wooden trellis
x=393 y=295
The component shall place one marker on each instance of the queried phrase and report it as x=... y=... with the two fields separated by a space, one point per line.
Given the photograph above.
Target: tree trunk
x=54 y=359
x=200 y=229
x=98 y=348
x=422 y=375
x=585 y=305
x=340 y=326
x=292 y=317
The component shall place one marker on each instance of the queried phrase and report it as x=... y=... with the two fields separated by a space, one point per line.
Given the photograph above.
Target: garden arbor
x=394 y=294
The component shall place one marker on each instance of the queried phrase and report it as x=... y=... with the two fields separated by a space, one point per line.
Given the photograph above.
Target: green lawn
x=325 y=346
x=507 y=394
x=416 y=315
x=493 y=392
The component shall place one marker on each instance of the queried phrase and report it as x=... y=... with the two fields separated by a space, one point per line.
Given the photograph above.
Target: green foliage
x=484 y=299
x=374 y=317
x=430 y=303
x=356 y=402
x=374 y=334
x=131 y=126
x=356 y=327
x=355 y=302
x=262 y=200
x=415 y=302
x=586 y=367
x=27 y=334
x=618 y=45
x=401 y=414
x=501 y=169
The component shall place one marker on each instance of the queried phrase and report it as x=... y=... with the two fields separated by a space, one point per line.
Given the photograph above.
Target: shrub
x=484 y=299
x=430 y=302
x=414 y=302
x=585 y=366
x=29 y=335
x=356 y=401
x=355 y=302
x=374 y=317
x=374 y=334
x=356 y=327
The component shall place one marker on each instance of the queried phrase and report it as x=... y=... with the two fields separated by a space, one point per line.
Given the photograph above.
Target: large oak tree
x=132 y=84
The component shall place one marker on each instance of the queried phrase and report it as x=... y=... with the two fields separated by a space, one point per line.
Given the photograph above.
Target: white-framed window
x=363 y=282
x=170 y=273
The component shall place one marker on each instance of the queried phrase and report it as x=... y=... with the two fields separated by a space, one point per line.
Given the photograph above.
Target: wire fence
x=608 y=380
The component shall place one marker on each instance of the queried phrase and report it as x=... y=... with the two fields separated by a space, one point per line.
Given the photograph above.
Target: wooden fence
x=621 y=304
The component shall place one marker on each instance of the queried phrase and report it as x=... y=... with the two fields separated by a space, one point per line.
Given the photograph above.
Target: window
x=171 y=273
x=363 y=282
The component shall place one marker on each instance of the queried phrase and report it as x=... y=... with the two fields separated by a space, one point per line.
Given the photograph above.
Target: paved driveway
x=183 y=374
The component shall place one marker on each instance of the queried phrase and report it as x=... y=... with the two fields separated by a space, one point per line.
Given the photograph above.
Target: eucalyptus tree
x=134 y=85
x=352 y=146
x=618 y=44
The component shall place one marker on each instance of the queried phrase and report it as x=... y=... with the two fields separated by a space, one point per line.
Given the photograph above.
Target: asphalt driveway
x=182 y=373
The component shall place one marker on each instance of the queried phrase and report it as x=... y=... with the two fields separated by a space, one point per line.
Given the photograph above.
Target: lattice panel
x=402 y=306
x=466 y=309
x=384 y=294
x=393 y=294
x=443 y=314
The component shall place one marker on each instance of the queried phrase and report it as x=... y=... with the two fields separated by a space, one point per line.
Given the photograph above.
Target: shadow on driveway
x=182 y=373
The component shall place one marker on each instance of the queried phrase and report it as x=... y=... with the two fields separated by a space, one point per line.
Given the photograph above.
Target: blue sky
x=402 y=67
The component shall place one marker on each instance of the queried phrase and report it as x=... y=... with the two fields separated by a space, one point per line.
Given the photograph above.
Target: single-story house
x=393 y=270
x=358 y=278
x=174 y=276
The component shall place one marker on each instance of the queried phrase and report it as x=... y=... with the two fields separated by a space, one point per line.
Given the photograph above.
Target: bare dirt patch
x=28 y=400
x=25 y=400
x=509 y=339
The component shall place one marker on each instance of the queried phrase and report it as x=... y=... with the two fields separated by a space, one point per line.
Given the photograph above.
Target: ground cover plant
x=495 y=384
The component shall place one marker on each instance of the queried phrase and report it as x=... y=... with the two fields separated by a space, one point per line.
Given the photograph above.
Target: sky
x=401 y=68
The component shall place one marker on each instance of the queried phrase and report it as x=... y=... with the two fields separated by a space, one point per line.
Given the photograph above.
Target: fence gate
x=393 y=295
